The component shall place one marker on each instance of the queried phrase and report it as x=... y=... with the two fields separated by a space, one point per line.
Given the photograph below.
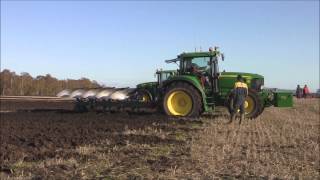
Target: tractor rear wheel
x=182 y=99
x=253 y=105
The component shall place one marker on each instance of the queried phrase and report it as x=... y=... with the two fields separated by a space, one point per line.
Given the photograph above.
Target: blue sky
x=123 y=43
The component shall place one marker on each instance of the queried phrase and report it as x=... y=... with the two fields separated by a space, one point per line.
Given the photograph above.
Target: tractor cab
x=203 y=65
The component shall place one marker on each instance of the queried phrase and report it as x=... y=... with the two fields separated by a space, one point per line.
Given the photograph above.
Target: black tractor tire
x=258 y=105
x=193 y=94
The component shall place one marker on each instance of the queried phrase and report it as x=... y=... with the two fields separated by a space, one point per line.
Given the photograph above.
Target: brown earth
x=282 y=143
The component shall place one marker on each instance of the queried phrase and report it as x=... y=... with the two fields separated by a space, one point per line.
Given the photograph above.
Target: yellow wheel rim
x=179 y=103
x=249 y=105
x=145 y=98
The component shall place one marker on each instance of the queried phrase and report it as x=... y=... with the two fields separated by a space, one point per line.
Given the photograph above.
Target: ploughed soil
x=57 y=143
x=64 y=144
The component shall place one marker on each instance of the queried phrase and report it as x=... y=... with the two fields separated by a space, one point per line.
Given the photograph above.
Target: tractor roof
x=166 y=71
x=197 y=54
x=191 y=55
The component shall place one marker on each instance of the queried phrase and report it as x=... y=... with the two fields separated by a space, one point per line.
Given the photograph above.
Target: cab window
x=164 y=76
x=201 y=63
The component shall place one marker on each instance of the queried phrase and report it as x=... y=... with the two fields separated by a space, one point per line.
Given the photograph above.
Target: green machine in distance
x=196 y=87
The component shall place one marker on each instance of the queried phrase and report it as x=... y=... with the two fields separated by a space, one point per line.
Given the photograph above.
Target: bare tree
x=25 y=84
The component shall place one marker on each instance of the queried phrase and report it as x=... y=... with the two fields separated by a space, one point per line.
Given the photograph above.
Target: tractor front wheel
x=182 y=99
x=144 y=96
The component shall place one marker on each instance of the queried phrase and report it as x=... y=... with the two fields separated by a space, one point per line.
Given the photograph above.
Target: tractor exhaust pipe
x=214 y=75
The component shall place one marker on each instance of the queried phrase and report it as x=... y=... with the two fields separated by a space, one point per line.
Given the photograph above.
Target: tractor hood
x=147 y=85
x=227 y=80
x=247 y=76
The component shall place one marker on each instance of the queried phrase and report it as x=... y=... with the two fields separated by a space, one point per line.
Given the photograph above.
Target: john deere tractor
x=196 y=87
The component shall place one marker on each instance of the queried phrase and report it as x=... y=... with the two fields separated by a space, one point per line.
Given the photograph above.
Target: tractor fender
x=193 y=81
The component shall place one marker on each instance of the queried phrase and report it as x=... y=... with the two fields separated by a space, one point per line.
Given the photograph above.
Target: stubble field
x=282 y=143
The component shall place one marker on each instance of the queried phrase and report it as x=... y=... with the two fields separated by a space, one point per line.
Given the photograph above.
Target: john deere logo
x=283 y=97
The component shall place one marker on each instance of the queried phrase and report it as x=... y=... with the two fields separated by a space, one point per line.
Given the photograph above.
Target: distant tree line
x=12 y=84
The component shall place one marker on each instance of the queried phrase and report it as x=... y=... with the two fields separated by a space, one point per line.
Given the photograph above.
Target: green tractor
x=196 y=87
